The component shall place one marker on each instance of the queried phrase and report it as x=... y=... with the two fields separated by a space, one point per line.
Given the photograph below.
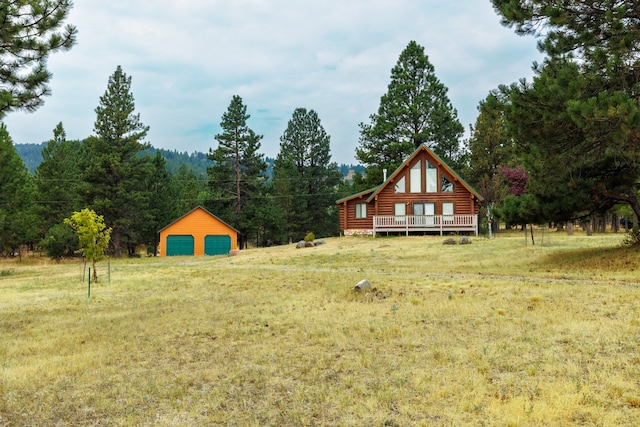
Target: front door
x=425 y=213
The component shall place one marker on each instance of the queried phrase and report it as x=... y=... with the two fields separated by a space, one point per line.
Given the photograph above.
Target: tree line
x=137 y=194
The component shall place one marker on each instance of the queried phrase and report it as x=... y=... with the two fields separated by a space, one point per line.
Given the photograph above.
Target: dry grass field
x=494 y=333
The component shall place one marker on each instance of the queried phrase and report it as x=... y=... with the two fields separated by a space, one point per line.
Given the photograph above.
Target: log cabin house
x=424 y=195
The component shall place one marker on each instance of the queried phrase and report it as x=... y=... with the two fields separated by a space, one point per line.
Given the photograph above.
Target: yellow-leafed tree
x=93 y=235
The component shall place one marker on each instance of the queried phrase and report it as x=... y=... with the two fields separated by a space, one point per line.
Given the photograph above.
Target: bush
x=60 y=241
x=632 y=238
x=310 y=237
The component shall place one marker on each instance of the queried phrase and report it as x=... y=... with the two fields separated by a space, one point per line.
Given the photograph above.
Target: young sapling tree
x=93 y=235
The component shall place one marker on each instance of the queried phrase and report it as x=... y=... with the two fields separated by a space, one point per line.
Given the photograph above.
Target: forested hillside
x=31 y=155
x=197 y=161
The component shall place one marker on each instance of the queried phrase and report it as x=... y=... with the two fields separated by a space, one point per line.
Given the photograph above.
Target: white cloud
x=187 y=58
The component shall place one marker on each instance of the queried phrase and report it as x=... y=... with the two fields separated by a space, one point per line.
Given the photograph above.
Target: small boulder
x=465 y=240
x=362 y=285
x=318 y=243
x=449 y=241
x=301 y=244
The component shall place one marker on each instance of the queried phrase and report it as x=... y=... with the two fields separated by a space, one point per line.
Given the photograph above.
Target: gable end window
x=432 y=178
x=361 y=210
x=399 y=187
x=447 y=186
x=415 y=177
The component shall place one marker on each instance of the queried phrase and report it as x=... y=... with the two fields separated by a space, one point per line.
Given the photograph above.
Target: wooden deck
x=425 y=223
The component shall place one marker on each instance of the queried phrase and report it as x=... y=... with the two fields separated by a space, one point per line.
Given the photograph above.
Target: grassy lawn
x=492 y=333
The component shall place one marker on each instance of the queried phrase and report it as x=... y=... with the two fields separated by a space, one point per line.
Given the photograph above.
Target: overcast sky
x=187 y=58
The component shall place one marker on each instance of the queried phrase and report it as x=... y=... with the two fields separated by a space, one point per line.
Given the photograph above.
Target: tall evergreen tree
x=490 y=149
x=29 y=32
x=236 y=177
x=415 y=110
x=115 y=175
x=163 y=206
x=18 y=222
x=58 y=179
x=189 y=189
x=306 y=178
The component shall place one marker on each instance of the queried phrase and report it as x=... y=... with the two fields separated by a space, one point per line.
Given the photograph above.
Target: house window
x=400 y=186
x=447 y=186
x=432 y=178
x=415 y=177
x=447 y=212
x=400 y=210
x=361 y=210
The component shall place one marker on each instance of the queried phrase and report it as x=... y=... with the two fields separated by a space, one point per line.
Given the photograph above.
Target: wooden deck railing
x=437 y=223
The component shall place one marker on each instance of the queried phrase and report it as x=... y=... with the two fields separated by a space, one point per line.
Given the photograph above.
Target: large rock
x=465 y=240
x=303 y=244
x=449 y=241
x=363 y=285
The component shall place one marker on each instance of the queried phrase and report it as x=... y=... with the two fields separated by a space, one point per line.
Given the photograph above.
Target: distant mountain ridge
x=198 y=162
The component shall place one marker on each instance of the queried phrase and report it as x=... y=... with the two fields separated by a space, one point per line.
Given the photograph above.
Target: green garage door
x=180 y=245
x=217 y=245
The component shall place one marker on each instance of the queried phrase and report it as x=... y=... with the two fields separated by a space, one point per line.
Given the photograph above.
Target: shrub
x=632 y=238
x=310 y=237
x=60 y=241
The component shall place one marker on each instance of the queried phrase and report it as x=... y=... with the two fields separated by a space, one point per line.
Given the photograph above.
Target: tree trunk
x=635 y=206
x=586 y=226
x=95 y=271
x=238 y=177
x=615 y=223
x=115 y=238
x=570 y=228
x=533 y=242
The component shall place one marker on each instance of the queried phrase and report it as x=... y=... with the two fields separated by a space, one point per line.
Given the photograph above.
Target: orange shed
x=198 y=232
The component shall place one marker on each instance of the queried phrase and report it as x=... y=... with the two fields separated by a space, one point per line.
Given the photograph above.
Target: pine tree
x=163 y=206
x=415 y=110
x=58 y=179
x=115 y=175
x=305 y=178
x=29 y=32
x=490 y=149
x=190 y=190
x=236 y=177
x=18 y=222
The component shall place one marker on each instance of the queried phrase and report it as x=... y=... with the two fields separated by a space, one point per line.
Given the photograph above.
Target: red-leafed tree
x=516 y=180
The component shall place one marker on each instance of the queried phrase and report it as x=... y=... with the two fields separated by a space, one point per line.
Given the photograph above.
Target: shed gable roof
x=192 y=211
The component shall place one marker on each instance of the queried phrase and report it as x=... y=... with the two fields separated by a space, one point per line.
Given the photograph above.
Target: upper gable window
x=415 y=177
x=432 y=178
x=400 y=186
x=447 y=186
